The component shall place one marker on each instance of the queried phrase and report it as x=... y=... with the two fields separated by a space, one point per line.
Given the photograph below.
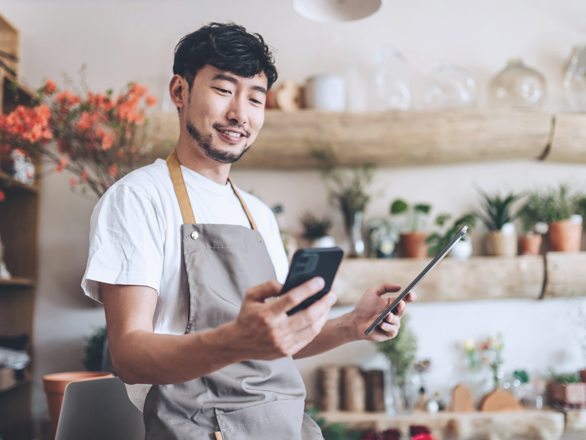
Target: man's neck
x=194 y=158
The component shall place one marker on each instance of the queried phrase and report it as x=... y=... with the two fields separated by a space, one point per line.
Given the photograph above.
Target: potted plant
x=567 y=390
x=384 y=235
x=533 y=223
x=347 y=190
x=498 y=217
x=438 y=240
x=413 y=242
x=315 y=230
x=561 y=209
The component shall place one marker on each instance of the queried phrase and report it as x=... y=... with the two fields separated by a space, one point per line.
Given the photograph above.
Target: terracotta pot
x=54 y=386
x=414 y=245
x=530 y=244
x=565 y=236
x=568 y=394
x=501 y=245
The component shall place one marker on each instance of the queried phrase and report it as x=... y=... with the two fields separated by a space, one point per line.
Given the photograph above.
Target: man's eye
x=255 y=101
x=222 y=90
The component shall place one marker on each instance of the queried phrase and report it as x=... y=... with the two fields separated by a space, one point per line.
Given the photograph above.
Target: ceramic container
x=326 y=92
x=462 y=250
x=530 y=244
x=501 y=245
x=565 y=236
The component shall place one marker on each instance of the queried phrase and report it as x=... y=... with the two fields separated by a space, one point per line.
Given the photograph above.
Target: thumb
x=263 y=291
x=381 y=289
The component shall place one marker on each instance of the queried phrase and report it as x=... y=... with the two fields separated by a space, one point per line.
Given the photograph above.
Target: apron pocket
x=280 y=419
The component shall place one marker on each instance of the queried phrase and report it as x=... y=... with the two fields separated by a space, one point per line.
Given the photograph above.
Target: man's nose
x=237 y=111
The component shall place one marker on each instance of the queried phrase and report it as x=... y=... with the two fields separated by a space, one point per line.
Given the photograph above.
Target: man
x=184 y=261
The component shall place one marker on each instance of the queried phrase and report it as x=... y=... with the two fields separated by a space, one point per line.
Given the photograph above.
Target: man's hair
x=226 y=46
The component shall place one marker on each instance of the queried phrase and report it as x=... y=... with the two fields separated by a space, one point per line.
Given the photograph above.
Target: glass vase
x=389 y=86
x=575 y=79
x=449 y=86
x=353 y=227
x=517 y=86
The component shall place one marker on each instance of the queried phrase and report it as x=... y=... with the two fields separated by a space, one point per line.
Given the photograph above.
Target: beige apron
x=252 y=400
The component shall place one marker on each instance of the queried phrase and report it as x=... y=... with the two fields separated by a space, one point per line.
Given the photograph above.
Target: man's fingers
x=411 y=297
x=314 y=313
x=392 y=319
x=381 y=289
x=263 y=291
x=297 y=295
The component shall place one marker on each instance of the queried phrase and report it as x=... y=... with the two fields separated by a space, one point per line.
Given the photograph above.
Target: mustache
x=233 y=126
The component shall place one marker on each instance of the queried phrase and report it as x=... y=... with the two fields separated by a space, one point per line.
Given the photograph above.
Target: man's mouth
x=231 y=133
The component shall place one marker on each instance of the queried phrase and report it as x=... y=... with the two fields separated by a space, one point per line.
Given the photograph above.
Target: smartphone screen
x=439 y=257
x=310 y=263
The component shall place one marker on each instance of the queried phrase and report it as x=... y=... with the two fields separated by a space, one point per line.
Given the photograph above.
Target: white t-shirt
x=135 y=239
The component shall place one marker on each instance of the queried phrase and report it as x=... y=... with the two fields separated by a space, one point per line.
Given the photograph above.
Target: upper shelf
x=408 y=138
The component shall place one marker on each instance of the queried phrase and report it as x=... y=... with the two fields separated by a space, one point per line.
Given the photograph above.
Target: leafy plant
x=401 y=350
x=497 y=210
x=414 y=213
x=347 y=188
x=332 y=431
x=438 y=240
x=521 y=375
x=552 y=205
x=313 y=227
x=565 y=378
x=94 y=350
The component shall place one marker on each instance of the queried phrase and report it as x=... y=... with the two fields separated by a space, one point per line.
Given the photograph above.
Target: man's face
x=224 y=112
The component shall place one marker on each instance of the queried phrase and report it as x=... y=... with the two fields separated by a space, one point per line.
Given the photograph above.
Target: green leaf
x=441 y=219
x=424 y=209
x=399 y=207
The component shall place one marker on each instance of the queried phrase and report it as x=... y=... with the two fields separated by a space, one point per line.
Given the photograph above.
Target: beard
x=210 y=149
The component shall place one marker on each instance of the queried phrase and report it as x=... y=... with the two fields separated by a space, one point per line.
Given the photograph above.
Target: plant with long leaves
x=553 y=205
x=497 y=210
x=415 y=213
x=439 y=240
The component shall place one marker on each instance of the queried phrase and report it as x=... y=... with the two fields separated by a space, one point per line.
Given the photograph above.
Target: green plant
x=94 y=350
x=552 y=205
x=401 y=350
x=521 y=375
x=494 y=349
x=415 y=213
x=438 y=240
x=332 y=431
x=313 y=227
x=497 y=210
x=565 y=378
x=347 y=188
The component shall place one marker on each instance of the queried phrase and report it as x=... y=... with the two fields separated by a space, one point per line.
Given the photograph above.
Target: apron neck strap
x=183 y=198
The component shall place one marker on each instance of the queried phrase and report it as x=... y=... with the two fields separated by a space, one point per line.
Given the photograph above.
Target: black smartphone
x=439 y=257
x=310 y=263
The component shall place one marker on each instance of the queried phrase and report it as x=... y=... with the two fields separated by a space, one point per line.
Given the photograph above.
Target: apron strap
x=183 y=197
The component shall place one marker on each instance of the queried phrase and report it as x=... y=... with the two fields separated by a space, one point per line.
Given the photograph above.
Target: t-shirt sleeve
x=126 y=242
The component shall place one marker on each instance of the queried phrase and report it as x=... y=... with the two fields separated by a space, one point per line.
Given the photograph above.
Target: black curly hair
x=226 y=46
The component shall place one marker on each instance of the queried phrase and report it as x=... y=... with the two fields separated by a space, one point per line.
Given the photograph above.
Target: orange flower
x=151 y=100
x=67 y=97
x=50 y=86
x=73 y=181
x=85 y=176
x=59 y=169
x=113 y=170
x=63 y=162
x=108 y=141
x=2 y=196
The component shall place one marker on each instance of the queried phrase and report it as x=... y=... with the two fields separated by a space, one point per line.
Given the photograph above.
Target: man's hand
x=263 y=330
x=371 y=305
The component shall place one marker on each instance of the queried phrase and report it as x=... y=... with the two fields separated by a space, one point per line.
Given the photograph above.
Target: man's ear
x=179 y=91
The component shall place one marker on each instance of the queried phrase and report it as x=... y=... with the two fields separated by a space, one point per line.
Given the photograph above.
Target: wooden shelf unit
x=19 y=223
x=400 y=138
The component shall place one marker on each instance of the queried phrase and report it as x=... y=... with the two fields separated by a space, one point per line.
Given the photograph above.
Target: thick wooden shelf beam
x=568 y=142
x=476 y=279
x=386 y=139
x=528 y=424
x=566 y=274
x=24 y=282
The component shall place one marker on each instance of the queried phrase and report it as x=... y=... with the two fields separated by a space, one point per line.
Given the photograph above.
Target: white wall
x=133 y=40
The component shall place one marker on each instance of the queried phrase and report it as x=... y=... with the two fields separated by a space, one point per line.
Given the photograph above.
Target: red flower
x=423 y=437
x=151 y=100
x=85 y=176
x=50 y=86
x=113 y=170
x=2 y=196
x=63 y=162
x=59 y=169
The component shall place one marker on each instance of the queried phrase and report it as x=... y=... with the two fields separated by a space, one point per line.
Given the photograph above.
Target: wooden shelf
x=565 y=274
x=567 y=144
x=17 y=385
x=476 y=279
x=14 y=185
x=17 y=281
x=386 y=139
x=534 y=424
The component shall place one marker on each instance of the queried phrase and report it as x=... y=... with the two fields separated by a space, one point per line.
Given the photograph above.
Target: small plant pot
x=501 y=245
x=530 y=244
x=565 y=236
x=54 y=386
x=462 y=250
x=414 y=245
x=568 y=393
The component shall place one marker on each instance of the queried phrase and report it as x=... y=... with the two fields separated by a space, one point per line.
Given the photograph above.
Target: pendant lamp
x=332 y=11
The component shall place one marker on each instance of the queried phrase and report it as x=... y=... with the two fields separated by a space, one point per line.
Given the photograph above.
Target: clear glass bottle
x=449 y=86
x=390 y=77
x=517 y=86
x=575 y=79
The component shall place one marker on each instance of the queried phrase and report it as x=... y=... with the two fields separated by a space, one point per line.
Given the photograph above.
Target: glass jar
x=517 y=86
x=575 y=79
x=449 y=86
x=390 y=77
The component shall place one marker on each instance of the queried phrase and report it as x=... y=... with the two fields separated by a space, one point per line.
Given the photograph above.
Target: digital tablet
x=439 y=257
